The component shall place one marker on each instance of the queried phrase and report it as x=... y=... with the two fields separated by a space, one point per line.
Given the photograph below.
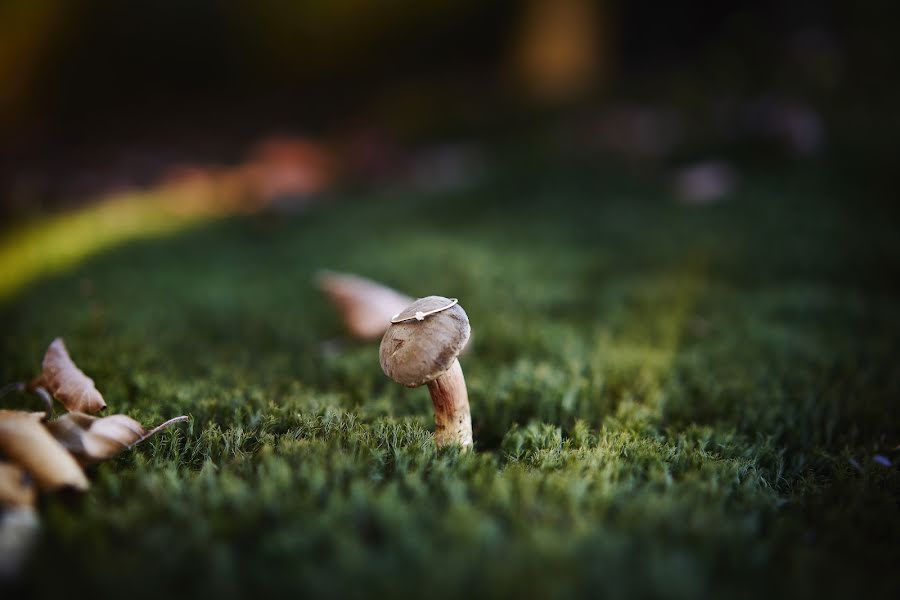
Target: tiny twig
x=160 y=427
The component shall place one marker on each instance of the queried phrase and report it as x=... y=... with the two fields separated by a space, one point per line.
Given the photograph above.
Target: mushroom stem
x=452 y=420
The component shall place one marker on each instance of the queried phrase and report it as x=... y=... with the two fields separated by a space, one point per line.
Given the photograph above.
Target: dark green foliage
x=667 y=402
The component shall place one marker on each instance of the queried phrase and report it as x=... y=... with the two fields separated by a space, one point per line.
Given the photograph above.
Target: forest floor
x=668 y=400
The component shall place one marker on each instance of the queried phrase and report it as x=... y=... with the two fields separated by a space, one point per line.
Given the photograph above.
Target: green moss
x=665 y=400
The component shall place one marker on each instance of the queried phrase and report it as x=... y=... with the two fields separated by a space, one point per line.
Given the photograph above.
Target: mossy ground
x=666 y=400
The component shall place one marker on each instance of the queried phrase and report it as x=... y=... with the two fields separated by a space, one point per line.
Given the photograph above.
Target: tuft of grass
x=666 y=400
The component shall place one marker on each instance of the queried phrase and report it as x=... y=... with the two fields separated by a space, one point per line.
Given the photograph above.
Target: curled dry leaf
x=16 y=486
x=92 y=439
x=25 y=441
x=67 y=382
x=366 y=306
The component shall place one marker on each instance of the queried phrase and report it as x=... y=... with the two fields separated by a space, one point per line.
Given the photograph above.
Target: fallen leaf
x=366 y=306
x=92 y=439
x=16 y=486
x=67 y=382
x=25 y=441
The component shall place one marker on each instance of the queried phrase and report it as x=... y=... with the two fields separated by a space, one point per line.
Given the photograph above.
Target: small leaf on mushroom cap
x=67 y=382
x=414 y=352
x=424 y=306
x=25 y=441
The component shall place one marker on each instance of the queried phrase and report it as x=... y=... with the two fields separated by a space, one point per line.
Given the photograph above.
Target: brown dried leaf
x=25 y=441
x=92 y=439
x=16 y=486
x=67 y=382
x=366 y=306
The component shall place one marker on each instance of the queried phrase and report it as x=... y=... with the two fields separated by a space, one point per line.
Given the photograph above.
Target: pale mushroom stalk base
x=452 y=420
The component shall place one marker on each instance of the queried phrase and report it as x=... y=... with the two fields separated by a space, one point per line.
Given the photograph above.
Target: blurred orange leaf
x=365 y=305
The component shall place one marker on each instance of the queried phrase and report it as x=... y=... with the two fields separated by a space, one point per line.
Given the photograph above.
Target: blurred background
x=141 y=117
x=100 y=96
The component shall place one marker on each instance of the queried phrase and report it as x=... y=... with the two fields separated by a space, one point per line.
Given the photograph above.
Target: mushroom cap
x=414 y=352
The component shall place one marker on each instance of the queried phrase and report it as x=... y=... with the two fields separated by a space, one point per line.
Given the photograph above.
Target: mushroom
x=421 y=347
